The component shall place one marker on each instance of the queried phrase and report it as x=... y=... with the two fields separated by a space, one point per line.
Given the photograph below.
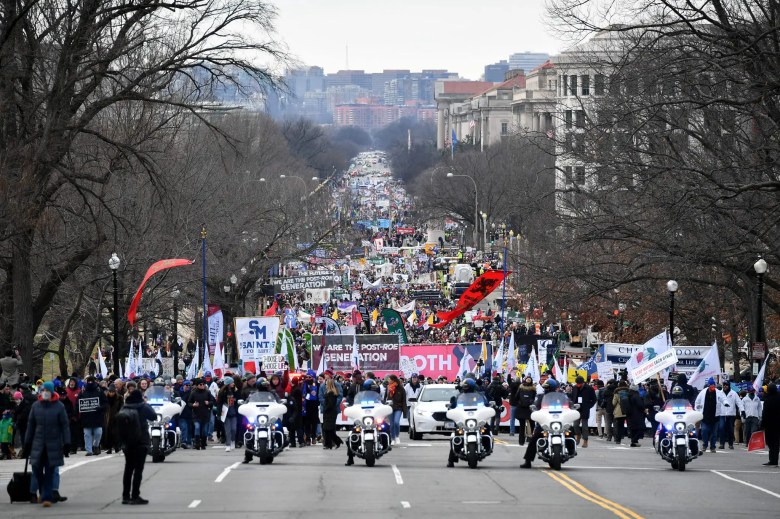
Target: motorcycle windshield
x=677 y=405
x=470 y=400
x=367 y=399
x=263 y=396
x=157 y=395
x=555 y=402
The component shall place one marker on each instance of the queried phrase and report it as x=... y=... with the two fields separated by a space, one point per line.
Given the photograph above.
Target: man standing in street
x=584 y=395
x=770 y=423
x=135 y=454
x=751 y=413
x=92 y=406
x=729 y=407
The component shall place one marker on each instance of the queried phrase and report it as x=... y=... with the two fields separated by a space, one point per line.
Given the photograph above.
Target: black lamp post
x=760 y=267
x=113 y=263
x=175 y=295
x=672 y=287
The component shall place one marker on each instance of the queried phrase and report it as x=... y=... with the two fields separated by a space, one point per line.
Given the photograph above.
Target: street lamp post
x=175 y=296
x=484 y=231
x=476 y=207
x=760 y=267
x=113 y=263
x=672 y=287
x=503 y=285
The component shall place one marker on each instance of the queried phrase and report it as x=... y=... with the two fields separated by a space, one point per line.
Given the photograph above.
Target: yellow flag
x=484 y=350
x=430 y=318
x=335 y=315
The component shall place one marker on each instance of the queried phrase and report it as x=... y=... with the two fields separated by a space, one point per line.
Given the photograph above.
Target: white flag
x=206 y=361
x=192 y=370
x=650 y=350
x=760 y=377
x=355 y=353
x=532 y=368
x=130 y=370
x=511 y=360
x=708 y=367
x=465 y=368
x=323 y=364
x=557 y=373
x=102 y=364
x=498 y=359
x=219 y=360
x=405 y=308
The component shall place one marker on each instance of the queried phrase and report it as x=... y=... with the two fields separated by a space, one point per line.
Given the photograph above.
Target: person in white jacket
x=729 y=407
x=752 y=407
x=413 y=388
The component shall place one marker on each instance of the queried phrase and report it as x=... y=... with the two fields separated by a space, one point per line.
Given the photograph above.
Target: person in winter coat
x=355 y=388
x=496 y=393
x=135 y=455
x=114 y=403
x=47 y=440
x=635 y=416
x=729 y=407
x=609 y=407
x=200 y=402
x=228 y=398
x=295 y=413
x=514 y=385
x=525 y=397
x=70 y=402
x=752 y=408
x=185 y=418
x=311 y=403
x=653 y=398
x=584 y=395
x=412 y=388
x=619 y=401
x=770 y=423
x=92 y=406
x=330 y=413
x=23 y=411
x=279 y=382
x=707 y=403
x=396 y=397
x=11 y=364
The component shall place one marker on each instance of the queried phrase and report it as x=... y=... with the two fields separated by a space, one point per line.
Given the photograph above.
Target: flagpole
x=205 y=308
x=503 y=290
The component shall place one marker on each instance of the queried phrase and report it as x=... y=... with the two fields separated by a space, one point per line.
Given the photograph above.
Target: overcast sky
x=458 y=35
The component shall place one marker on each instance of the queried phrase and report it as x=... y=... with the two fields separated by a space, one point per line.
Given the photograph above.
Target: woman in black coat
x=525 y=397
x=330 y=413
x=635 y=417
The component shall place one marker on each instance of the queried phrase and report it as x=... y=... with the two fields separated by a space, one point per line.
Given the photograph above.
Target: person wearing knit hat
x=227 y=408
x=135 y=455
x=46 y=440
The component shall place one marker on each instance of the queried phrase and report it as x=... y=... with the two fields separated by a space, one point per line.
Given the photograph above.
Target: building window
x=579 y=175
x=585 y=85
x=564 y=85
x=598 y=84
x=567 y=118
x=567 y=174
x=504 y=128
x=580 y=121
x=573 y=85
x=568 y=143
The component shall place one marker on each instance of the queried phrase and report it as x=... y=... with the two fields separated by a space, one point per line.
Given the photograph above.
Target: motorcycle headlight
x=471 y=423
x=556 y=427
x=679 y=427
x=368 y=421
x=262 y=420
x=159 y=417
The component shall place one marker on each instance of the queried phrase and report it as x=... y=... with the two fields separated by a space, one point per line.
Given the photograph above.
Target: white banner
x=274 y=363
x=408 y=307
x=647 y=369
x=317 y=296
x=256 y=336
x=605 y=371
x=216 y=331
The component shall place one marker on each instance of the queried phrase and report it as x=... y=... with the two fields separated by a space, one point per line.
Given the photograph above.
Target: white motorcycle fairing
x=556 y=418
x=472 y=439
x=265 y=436
x=370 y=438
x=165 y=437
x=675 y=439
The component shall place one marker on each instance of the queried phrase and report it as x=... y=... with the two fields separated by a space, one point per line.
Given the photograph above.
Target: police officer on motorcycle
x=549 y=386
x=468 y=385
x=368 y=385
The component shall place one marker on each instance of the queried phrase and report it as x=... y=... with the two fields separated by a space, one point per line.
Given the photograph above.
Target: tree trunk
x=735 y=351
x=23 y=331
x=66 y=332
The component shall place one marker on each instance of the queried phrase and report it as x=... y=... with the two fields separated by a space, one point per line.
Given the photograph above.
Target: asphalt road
x=412 y=481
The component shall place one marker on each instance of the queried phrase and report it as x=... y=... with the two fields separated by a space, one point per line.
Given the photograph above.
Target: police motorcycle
x=472 y=439
x=265 y=437
x=556 y=416
x=675 y=440
x=164 y=434
x=370 y=435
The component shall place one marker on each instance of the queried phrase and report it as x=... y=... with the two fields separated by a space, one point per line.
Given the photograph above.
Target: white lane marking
x=419 y=445
x=405 y=504
x=84 y=462
x=225 y=472
x=398 y=478
x=480 y=502
x=194 y=504
x=747 y=484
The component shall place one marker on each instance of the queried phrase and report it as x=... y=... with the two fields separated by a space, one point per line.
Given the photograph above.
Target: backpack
x=129 y=426
x=625 y=402
x=600 y=400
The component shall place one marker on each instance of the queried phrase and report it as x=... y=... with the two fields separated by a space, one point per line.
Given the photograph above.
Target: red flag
x=478 y=290
x=154 y=269
x=271 y=311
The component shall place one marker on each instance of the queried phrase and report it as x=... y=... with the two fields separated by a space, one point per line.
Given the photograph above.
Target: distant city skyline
x=411 y=34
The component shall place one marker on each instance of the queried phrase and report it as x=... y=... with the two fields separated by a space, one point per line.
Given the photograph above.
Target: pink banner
x=433 y=360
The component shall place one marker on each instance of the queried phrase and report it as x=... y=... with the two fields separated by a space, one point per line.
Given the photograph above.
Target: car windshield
x=263 y=396
x=367 y=398
x=677 y=405
x=555 y=402
x=471 y=400
x=438 y=394
x=158 y=394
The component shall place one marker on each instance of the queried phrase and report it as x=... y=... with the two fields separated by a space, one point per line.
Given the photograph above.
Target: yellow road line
x=588 y=495
x=500 y=442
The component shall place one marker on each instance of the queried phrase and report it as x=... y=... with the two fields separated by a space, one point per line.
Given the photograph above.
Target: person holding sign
x=91 y=408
